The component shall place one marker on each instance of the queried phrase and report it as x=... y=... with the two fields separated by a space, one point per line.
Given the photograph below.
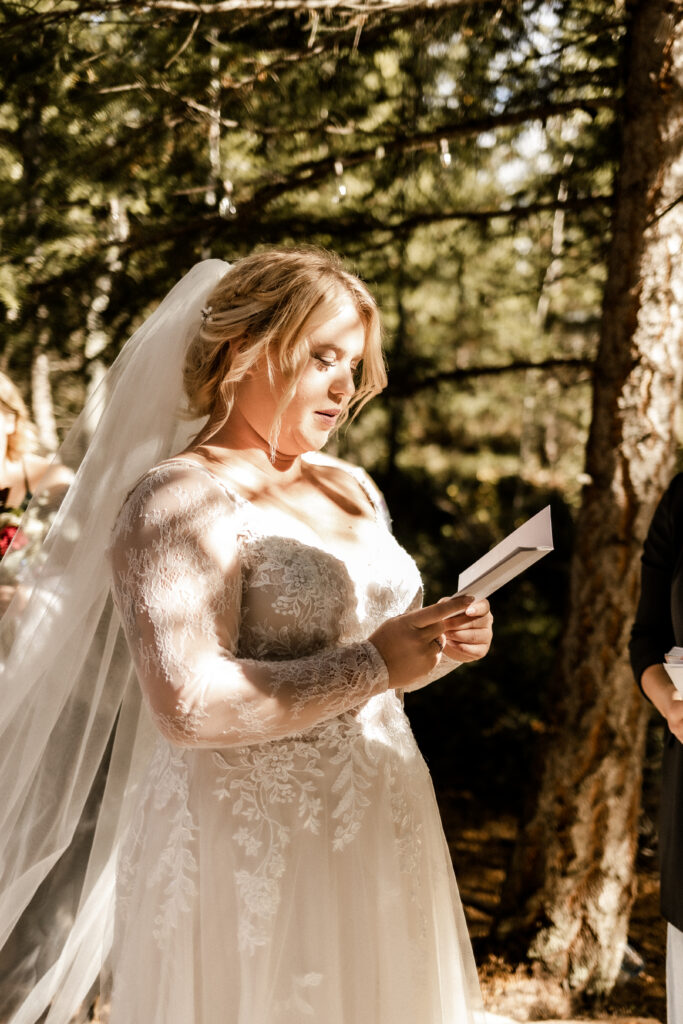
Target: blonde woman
x=276 y=850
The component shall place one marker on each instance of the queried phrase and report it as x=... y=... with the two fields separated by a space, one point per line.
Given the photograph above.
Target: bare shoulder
x=46 y=474
x=350 y=479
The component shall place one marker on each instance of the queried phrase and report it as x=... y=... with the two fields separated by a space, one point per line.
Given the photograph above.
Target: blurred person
x=22 y=470
x=658 y=626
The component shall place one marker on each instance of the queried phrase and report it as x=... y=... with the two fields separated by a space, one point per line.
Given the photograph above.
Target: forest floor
x=481 y=849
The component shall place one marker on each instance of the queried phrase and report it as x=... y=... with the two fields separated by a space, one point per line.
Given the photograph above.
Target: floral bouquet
x=20 y=535
x=10 y=521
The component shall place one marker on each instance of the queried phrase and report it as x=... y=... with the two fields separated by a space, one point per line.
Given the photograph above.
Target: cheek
x=311 y=386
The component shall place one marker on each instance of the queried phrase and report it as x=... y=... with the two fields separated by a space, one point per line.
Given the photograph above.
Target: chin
x=311 y=441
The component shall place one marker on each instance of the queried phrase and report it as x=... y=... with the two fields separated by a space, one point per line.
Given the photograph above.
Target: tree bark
x=41 y=397
x=571 y=884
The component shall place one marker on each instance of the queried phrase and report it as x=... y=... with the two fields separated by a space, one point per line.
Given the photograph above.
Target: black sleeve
x=653 y=633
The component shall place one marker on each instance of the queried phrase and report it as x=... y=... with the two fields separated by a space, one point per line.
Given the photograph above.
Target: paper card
x=517 y=552
x=673 y=663
x=675 y=674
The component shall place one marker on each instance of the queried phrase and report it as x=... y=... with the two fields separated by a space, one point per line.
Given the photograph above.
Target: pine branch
x=313 y=171
x=19 y=17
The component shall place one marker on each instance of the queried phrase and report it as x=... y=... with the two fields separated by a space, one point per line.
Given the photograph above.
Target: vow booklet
x=673 y=663
x=513 y=555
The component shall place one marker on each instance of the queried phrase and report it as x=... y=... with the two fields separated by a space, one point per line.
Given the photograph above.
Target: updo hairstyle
x=23 y=440
x=263 y=307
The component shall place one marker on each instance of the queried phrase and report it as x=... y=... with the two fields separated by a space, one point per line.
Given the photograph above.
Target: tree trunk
x=41 y=396
x=571 y=884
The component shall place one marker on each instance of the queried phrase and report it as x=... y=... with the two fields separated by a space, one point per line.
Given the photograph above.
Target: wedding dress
x=286 y=860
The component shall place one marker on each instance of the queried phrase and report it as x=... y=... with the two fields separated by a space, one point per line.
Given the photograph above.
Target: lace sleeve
x=177 y=584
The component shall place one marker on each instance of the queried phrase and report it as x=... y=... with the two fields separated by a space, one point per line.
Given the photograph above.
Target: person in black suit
x=659 y=626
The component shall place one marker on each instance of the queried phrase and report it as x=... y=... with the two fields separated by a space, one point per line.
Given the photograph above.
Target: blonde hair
x=263 y=306
x=24 y=438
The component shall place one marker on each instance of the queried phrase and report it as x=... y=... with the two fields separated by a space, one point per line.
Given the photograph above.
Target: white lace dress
x=287 y=861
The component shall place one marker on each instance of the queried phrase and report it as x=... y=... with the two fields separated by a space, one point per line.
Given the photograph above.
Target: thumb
x=677 y=696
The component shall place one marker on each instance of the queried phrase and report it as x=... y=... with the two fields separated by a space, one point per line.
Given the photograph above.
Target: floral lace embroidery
x=259 y=780
x=168 y=789
x=177 y=864
x=297 y=1001
x=182 y=726
x=268 y=776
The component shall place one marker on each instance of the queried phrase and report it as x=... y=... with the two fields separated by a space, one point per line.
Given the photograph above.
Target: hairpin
x=206 y=313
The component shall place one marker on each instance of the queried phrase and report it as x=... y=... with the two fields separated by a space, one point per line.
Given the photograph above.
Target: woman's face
x=336 y=340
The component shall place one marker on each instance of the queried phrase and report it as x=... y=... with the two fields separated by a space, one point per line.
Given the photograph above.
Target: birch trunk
x=41 y=397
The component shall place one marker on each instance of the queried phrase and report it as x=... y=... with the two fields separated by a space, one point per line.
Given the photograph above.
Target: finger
x=432 y=632
x=457 y=623
x=478 y=608
x=443 y=609
x=474 y=610
x=469 y=652
x=469 y=636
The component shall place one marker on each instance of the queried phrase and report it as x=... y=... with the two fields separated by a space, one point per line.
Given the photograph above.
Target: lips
x=329 y=415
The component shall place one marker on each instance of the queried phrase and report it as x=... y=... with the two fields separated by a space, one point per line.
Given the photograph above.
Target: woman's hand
x=468 y=636
x=665 y=697
x=674 y=717
x=412 y=644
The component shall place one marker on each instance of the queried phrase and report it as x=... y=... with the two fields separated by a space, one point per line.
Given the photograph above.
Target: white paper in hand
x=522 y=548
x=673 y=663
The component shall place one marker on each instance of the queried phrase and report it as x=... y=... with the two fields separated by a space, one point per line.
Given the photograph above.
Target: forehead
x=337 y=321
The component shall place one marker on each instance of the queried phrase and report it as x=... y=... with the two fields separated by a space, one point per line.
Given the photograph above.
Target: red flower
x=9 y=534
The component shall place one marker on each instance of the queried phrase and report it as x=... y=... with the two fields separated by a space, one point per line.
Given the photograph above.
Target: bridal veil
x=73 y=743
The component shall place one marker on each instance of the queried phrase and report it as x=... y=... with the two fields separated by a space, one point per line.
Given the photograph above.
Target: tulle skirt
x=299 y=880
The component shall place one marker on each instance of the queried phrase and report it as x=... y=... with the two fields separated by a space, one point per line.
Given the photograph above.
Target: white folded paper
x=517 y=552
x=673 y=663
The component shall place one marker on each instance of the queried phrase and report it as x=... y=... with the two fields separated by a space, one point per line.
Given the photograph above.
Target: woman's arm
x=653 y=634
x=177 y=583
x=657 y=686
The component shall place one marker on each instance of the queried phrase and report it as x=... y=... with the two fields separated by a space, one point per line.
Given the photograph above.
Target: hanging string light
x=445 y=153
x=341 y=187
x=226 y=207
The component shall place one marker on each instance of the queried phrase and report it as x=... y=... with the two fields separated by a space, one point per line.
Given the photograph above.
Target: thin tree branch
x=185 y=44
x=433 y=380
x=316 y=170
x=19 y=17
x=666 y=209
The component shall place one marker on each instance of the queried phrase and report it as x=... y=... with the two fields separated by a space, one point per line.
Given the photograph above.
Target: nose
x=343 y=383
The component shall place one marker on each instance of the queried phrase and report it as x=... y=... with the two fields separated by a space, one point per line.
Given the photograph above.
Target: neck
x=238 y=435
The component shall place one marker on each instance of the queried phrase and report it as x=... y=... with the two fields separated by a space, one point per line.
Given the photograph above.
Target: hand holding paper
x=673 y=663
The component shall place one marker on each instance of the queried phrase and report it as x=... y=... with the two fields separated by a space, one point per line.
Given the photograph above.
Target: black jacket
x=658 y=626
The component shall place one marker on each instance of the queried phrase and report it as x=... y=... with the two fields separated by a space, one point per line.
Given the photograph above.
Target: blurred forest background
x=472 y=162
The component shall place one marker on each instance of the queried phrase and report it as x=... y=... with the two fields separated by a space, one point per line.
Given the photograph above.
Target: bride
x=268 y=847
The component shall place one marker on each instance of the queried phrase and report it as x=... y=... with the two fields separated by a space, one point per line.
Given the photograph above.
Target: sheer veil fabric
x=278 y=877
x=69 y=702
